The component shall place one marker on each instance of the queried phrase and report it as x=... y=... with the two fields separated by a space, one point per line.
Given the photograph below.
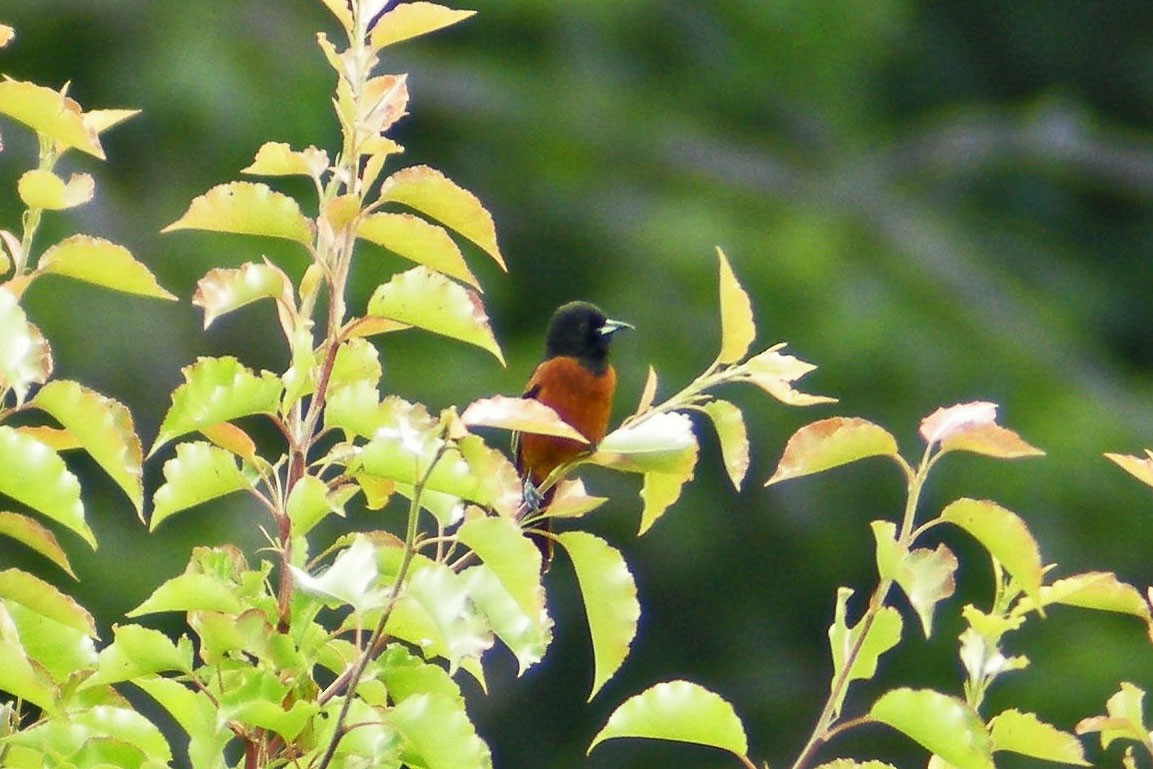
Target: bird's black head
x=581 y=330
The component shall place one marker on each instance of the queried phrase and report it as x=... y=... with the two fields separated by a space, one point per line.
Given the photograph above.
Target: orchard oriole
x=575 y=380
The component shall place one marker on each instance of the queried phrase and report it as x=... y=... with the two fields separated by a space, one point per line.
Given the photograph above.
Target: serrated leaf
x=279 y=159
x=409 y=20
x=223 y=290
x=511 y=556
x=190 y=592
x=25 y=356
x=104 y=429
x=680 y=711
x=831 y=443
x=849 y=763
x=246 y=208
x=661 y=443
x=991 y=441
x=49 y=113
x=1005 y=535
x=729 y=423
x=435 y=612
x=102 y=263
x=30 y=533
x=610 y=600
x=438 y=734
x=526 y=415
x=927 y=577
x=217 y=390
x=123 y=725
x=18 y=677
x=40 y=188
x=737 y=327
x=433 y=194
x=44 y=598
x=416 y=240
x=774 y=372
x=881 y=635
x=1124 y=719
x=945 y=726
x=1026 y=734
x=1140 y=468
x=138 y=651
x=351 y=580
x=1099 y=590
x=658 y=492
x=62 y=650
x=526 y=635
x=311 y=501
x=429 y=300
x=198 y=473
x=35 y=475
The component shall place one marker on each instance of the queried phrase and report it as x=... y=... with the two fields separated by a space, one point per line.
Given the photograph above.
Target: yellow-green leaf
x=680 y=711
x=429 y=300
x=103 y=427
x=191 y=592
x=32 y=534
x=610 y=600
x=659 y=492
x=945 y=726
x=40 y=188
x=409 y=20
x=45 y=599
x=831 y=443
x=35 y=475
x=437 y=734
x=1140 y=468
x=49 y=113
x=199 y=472
x=103 y=263
x=223 y=290
x=1005 y=535
x=217 y=390
x=25 y=356
x=730 y=427
x=279 y=159
x=1028 y=735
x=737 y=327
x=1099 y=590
x=418 y=241
x=433 y=194
x=246 y=208
x=882 y=634
x=1124 y=719
x=524 y=415
x=661 y=443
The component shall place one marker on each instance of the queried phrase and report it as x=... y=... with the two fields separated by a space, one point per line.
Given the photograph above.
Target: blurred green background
x=933 y=201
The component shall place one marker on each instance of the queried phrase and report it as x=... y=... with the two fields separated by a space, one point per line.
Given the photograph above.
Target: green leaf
x=25 y=356
x=125 y=725
x=191 y=592
x=62 y=649
x=431 y=193
x=508 y=588
x=438 y=734
x=18 y=677
x=831 y=443
x=246 y=208
x=610 y=599
x=103 y=428
x=429 y=300
x=40 y=188
x=737 y=327
x=311 y=501
x=730 y=427
x=435 y=612
x=138 y=651
x=849 y=763
x=196 y=714
x=1026 y=734
x=35 y=475
x=1099 y=590
x=351 y=579
x=416 y=240
x=217 y=390
x=50 y=114
x=43 y=598
x=1005 y=535
x=223 y=290
x=660 y=443
x=199 y=472
x=357 y=360
x=881 y=635
x=680 y=711
x=926 y=576
x=33 y=535
x=659 y=492
x=946 y=726
x=409 y=20
x=102 y=263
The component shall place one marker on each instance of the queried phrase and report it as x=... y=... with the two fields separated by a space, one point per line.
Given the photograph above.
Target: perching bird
x=575 y=380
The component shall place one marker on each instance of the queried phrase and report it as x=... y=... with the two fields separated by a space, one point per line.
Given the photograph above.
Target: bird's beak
x=612 y=326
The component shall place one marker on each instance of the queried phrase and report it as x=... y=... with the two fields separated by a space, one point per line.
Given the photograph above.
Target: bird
x=575 y=380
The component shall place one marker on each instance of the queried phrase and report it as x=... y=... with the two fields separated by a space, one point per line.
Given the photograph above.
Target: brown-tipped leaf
x=831 y=443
